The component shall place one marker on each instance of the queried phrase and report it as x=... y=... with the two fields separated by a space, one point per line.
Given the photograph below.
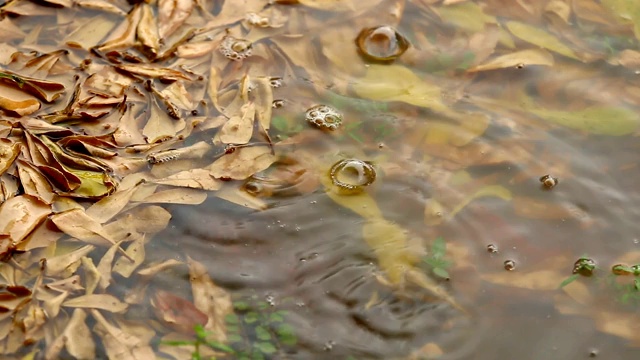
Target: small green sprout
x=202 y=336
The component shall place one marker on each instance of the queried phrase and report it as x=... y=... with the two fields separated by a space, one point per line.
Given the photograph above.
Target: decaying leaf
x=19 y=216
x=516 y=59
x=243 y=162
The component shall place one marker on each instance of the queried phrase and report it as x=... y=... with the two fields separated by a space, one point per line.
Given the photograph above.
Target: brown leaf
x=177 y=313
x=210 y=299
x=9 y=151
x=60 y=263
x=20 y=215
x=518 y=58
x=97 y=301
x=34 y=183
x=76 y=337
x=110 y=206
x=243 y=162
x=172 y=14
x=123 y=36
x=76 y=223
x=195 y=179
x=239 y=128
x=136 y=255
x=177 y=196
x=119 y=344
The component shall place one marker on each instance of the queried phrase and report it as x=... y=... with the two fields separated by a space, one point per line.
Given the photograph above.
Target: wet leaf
x=34 y=183
x=172 y=14
x=177 y=196
x=44 y=90
x=120 y=344
x=487 y=191
x=398 y=83
x=239 y=129
x=97 y=301
x=243 y=162
x=602 y=120
x=76 y=338
x=176 y=312
x=9 y=151
x=518 y=58
x=541 y=38
x=20 y=215
x=136 y=255
x=210 y=299
x=76 y=223
x=61 y=262
x=147 y=30
x=195 y=179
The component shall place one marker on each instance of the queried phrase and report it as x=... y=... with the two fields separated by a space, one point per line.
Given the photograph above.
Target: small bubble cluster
x=324 y=117
x=235 y=49
x=275 y=82
x=352 y=175
x=492 y=248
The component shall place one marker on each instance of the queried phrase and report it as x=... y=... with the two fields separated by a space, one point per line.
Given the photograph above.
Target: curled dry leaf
x=76 y=223
x=243 y=162
x=124 y=35
x=172 y=14
x=47 y=91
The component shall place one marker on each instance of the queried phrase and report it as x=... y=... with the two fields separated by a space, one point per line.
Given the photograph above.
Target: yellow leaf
x=491 y=190
x=398 y=83
x=602 y=120
x=524 y=57
x=97 y=301
x=541 y=38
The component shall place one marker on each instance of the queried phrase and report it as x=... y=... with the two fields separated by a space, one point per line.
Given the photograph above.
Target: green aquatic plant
x=285 y=128
x=257 y=330
x=435 y=258
x=200 y=341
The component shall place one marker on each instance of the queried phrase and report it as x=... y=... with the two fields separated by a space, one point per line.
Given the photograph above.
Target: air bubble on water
x=509 y=265
x=300 y=303
x=636 y=241
x=492 y=248
x=381 y=43
x=270 y=299
x=328 y=346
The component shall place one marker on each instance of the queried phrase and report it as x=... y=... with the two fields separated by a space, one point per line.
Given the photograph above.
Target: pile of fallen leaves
x=112 y=108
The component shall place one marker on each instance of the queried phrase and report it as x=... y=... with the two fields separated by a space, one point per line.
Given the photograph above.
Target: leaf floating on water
x=626 y=11
x=239 y=129
x=172 y=14
x=398 y=83
x=601 y=120
x=76 y=338
x=539 y=37
x=243 y=162
x=47 y=91
x=195 y=179
x=516 y=59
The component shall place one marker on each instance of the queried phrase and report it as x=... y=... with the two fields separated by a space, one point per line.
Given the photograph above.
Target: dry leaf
x=516 y=59
x=97 y=301
x=243 y=162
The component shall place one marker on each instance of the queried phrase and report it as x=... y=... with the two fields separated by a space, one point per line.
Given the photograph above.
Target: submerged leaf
x=398 y=83
x=539 y=37
x=518 y=58
x=602 y=120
